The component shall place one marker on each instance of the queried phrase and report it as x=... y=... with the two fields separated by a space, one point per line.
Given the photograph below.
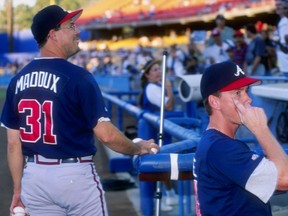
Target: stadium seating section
x=125 y=11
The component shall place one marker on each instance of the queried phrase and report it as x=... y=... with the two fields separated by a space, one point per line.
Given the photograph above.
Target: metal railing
x=188 y=142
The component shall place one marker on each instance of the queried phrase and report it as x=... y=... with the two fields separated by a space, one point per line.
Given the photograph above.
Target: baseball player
x=52 y=111
x=230 y=179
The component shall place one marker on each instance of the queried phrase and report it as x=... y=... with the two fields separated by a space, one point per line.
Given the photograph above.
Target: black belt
x=38 y=159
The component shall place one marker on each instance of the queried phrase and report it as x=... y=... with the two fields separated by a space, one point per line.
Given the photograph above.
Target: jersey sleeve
x=9 y=116
x=154 y=94
x=264 y=176
x=232 y=161
x=91 y=101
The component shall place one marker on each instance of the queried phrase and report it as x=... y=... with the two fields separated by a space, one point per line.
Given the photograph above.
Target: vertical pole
x=181 y=198
x=188 y=197
x=10 y=25
x=147 y=188
x=158 y=194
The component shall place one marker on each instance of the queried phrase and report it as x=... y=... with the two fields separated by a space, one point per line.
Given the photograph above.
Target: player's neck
x=223 y=128
x=46 y=52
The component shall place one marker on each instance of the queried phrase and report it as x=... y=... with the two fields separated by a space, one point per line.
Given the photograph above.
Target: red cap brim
x=72 y=15
x=245 y=81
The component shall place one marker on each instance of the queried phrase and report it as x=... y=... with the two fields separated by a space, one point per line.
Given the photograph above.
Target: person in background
x=143 y=54
x=270 y=62
x=226 y=32
x=217 y=52
x=150 y=99
x=95 y=65
x=193 y=66
x=256 y=52
x=109 y=67
x=240 y=48
x=230 y=178
x=52 y=112
x=193 y=51
x=280 y=37
x=175 y=61
x=230 y=53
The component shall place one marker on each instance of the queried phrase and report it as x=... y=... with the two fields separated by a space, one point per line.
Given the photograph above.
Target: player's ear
x=214 y=101
x=51 y=34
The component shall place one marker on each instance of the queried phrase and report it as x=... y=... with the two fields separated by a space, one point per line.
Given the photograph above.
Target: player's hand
x=146 y=146
x=254 y=118
x=16 y=201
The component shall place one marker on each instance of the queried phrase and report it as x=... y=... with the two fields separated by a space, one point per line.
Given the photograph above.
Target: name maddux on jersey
x=37 y=79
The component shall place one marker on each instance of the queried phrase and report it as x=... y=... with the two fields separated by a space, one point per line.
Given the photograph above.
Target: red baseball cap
x=238 y=33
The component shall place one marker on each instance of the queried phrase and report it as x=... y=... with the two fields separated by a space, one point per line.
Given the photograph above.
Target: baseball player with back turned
x=52 y=111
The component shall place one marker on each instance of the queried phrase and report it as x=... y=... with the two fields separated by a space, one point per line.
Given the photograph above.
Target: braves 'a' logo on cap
x=239 y=71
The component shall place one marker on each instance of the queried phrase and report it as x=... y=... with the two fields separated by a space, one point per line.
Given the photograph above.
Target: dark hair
x=42 y=43
x=144 y=82
x=194 y=58
x=220 y=16
x=145 y=70
x=207 y=105
x=251 y=28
